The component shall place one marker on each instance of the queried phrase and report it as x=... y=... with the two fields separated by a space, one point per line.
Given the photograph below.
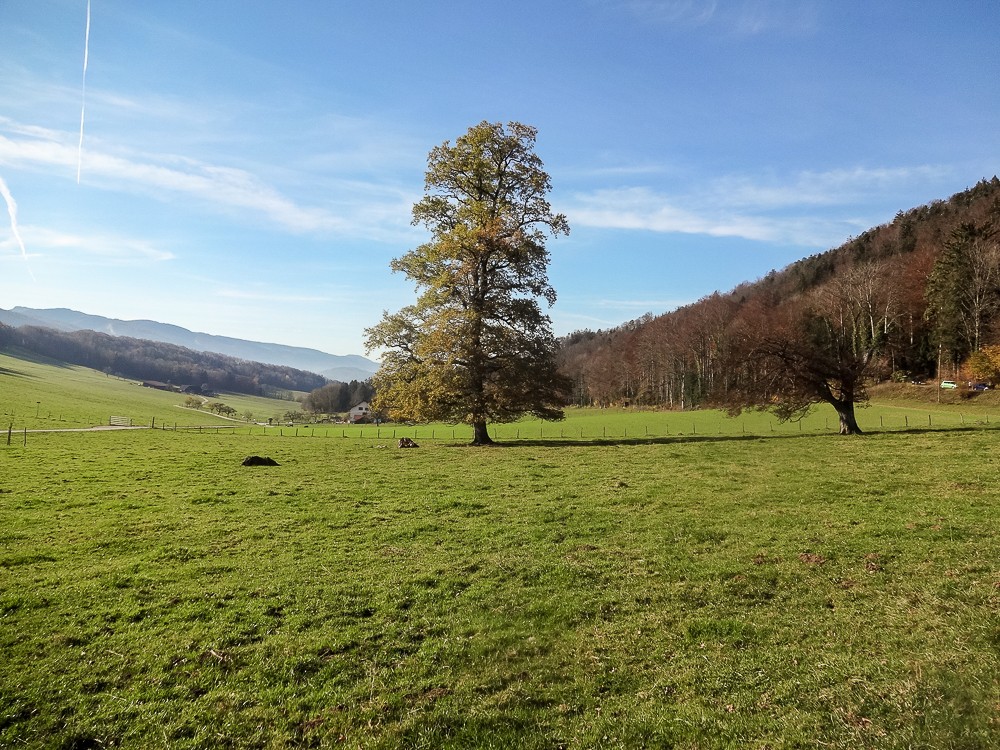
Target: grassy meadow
x=40 y=394
x=700 y=590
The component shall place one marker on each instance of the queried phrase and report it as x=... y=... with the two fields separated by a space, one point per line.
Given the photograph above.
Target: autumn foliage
x=915 y=298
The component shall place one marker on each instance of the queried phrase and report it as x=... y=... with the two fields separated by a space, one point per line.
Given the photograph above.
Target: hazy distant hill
x=336 y=367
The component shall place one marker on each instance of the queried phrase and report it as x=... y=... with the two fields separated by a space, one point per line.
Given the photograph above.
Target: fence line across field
x=672 y=426
x=675 y=427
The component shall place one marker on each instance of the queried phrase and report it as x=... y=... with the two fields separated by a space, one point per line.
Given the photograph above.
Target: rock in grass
x=259 y=461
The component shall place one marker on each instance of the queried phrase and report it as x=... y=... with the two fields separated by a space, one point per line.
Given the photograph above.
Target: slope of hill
x=685 y=357
x=44 y=394
x=335 y=367
x=167 y=364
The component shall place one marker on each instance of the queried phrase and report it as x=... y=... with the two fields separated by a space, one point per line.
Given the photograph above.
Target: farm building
x=158 y=385
x=360 y=413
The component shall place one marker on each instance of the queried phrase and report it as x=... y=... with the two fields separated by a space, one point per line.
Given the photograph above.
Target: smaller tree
x=984 y=365
x=819 y=349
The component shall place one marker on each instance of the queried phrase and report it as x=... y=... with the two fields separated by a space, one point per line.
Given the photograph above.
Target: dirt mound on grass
x=259 y=461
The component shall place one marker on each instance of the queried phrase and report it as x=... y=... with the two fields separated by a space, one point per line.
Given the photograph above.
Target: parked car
x=948 y=384
x=980 y=387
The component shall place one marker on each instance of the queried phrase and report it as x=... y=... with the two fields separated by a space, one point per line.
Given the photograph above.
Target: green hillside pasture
x=259 y=407
x=43 y=394
x=695 y=592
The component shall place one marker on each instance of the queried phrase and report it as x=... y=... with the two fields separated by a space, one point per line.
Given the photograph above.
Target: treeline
x=334 y=398
x=934 y=273
x=140 y=359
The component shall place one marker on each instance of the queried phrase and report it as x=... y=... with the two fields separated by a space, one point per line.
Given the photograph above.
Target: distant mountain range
x=344 y=368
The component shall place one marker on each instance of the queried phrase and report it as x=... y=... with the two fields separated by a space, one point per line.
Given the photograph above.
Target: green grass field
x=696 y=590
x=38 y=394
x=43 y=395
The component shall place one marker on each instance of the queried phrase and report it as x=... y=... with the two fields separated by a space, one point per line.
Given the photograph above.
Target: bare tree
x=821 y=348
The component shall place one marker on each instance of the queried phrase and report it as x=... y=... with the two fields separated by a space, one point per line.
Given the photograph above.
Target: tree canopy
x=821 y=348
x=476 y=346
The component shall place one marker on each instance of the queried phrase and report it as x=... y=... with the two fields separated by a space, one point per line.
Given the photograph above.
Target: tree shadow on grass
x=27 y=356
x=687 y=439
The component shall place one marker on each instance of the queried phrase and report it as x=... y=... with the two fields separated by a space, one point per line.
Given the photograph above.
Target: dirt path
x=98 y=428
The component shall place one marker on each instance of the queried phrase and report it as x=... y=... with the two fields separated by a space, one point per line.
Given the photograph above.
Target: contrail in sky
x=12 y=210
x=83 y=101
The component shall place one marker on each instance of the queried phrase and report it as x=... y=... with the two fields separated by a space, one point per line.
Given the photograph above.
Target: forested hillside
x=918 y=297
x=151 y=360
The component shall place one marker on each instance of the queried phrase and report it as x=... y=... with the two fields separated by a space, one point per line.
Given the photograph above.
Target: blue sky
x=248 y=168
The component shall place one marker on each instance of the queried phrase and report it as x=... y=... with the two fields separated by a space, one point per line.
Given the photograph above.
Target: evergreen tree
x=963 y=290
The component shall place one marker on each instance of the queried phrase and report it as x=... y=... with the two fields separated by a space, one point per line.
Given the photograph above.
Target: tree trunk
x=480 y=435
x=848 y=422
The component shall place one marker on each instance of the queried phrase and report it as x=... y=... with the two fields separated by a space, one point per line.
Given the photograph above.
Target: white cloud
x=360 y=208
x=253 y=296
x=737 y=17
x=109 y=248
x=641 y=304
x=689 y=12
x=832 y=188
x=753 y=17
x=813 y=209
x=642 y=209
x=35 y=131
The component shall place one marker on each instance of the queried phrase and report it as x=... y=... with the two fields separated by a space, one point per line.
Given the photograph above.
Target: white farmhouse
x=360 y=413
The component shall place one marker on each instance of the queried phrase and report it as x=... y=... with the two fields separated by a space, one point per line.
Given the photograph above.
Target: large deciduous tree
x=476 y=347
x=819 y=349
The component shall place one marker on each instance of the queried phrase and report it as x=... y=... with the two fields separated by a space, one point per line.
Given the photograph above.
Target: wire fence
x=675 y=426
x=622 y=427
